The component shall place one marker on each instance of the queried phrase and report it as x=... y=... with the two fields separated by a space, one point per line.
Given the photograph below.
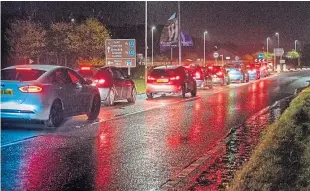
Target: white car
x=46 y=93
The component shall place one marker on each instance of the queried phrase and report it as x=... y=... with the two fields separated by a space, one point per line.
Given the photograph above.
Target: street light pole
x=296 y=45
x=204 y=48
x=145 y=40
x=222 y=59
x=278 y=35
x=267 y=49
x=153 y=28
x=180 y=42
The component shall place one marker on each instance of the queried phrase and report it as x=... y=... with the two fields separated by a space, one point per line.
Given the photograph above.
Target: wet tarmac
x=237 y=147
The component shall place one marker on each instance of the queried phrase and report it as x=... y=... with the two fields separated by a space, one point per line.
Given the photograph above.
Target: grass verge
x=140 y=84
x=281 y=161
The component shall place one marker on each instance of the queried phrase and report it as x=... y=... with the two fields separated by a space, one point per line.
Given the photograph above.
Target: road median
x=281 y=161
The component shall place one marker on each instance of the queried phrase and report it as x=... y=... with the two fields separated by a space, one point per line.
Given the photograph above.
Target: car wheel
x=228 y=81
x=149 y=95
x=56 y=115
x=183 y=91
x=110 y=99
x=194 y=91
x=210 y=83
x=133 y=95
x=223 y=82
x=95 y=108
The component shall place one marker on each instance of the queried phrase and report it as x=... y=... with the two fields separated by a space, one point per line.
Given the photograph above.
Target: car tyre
x=194 y=91
x=95 y=108
x=149 y=95
x=133 y=96
x=56 y=115
x=183 y=91
x=110 y=99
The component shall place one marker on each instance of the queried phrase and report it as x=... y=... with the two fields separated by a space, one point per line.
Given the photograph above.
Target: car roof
x=168 y=67
x=36 y=66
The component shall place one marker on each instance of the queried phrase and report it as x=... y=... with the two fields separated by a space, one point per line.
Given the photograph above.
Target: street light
x=222 y=59
x=267 y=48
x=204 y=47
x=153 y=28
x=277 y=34
x=296 y=44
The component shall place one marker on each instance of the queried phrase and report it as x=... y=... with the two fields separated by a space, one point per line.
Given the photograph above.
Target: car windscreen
x=233 y=66
x=27 y=74
x=163 y=72
x=103 y=73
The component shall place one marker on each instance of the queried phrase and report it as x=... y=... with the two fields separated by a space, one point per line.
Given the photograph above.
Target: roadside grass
x=140 y=85
x=281 y=161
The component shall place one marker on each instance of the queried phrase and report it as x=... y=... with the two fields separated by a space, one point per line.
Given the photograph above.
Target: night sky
x=239 y=22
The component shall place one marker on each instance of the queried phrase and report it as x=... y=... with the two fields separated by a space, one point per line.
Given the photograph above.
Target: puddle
x=238 y=146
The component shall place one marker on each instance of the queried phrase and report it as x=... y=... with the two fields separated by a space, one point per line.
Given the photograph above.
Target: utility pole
x=145 y=56
x=180 y=42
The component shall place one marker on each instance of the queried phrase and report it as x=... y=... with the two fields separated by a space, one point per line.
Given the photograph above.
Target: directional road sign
x=279 y=51
x=121 y=52
x=260 y=56
x=215 y=54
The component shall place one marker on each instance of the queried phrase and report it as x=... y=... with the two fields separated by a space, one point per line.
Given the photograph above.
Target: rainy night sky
x=238 y=22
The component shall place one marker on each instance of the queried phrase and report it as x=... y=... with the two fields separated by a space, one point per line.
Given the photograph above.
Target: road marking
x=19 y=141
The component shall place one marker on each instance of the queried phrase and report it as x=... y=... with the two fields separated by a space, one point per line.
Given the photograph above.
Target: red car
x=219 y=75
x=170 y=79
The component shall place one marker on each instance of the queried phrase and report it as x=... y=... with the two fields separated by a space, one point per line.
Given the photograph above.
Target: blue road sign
x=131 y=43
x=131 y=52
x=129 y=62
x=260 y=56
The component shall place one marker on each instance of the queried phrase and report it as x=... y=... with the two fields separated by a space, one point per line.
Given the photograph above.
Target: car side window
x=117 y=74
x=75 y=78
x=59 y=77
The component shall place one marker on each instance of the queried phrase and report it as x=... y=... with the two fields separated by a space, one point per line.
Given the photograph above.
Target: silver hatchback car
x=46 y=93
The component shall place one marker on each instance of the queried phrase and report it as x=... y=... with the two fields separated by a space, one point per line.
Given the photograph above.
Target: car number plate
x=162 y=80
x=7 y=92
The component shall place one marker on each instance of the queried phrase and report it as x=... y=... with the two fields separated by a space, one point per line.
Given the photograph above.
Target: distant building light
x=227 y=58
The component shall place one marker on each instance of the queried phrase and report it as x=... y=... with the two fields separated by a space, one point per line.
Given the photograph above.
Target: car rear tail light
x=219 y=73
x=197 y=75
x=23 y=69
x=254 y=70
x=30 y=89
x=99 y=82
x=85 y=68
x=150 y=78
x=175 y=78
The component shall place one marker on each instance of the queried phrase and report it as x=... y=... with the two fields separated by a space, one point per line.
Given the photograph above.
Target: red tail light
x=254 y=70
x=197 y=75
x=210 y=67
x=23 y=69
x=175 y=78
x=85 y=68
x=31 y=89
x=219 y=73
x=97 y=82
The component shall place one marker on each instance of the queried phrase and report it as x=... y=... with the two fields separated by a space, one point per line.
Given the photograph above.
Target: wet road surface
x=134 y=147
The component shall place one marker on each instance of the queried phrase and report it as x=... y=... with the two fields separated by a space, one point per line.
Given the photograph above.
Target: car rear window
x=216 y=69
x=103 y=73
x=163 y=72
x=86 y=73
x=21 y=75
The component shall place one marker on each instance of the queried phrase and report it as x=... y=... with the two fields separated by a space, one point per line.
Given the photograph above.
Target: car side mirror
x=89 y=81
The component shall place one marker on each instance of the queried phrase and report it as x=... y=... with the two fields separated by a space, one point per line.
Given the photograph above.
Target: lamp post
x=222 y=59
x=153 y=28
x=267 y=49
x=204 y=48
x=145 y=40
x=296 y=45
x=278 y=35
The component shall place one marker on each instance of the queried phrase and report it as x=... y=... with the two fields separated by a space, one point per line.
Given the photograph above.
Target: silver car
x=46 y=93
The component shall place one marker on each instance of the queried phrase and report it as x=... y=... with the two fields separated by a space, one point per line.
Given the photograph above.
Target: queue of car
x=49 y=94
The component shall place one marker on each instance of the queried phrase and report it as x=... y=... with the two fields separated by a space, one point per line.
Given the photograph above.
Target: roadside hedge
x=281 y=161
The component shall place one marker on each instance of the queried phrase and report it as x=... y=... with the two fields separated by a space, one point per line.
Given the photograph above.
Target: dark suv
x=170 y=79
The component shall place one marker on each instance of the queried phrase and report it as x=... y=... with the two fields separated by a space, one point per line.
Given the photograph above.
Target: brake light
x=210 y=67
x=23 y=69
x=197 y=75
x=175 y=78
x=219 y=73
x=30 y=89
x=100 y=81
x=85 y=68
